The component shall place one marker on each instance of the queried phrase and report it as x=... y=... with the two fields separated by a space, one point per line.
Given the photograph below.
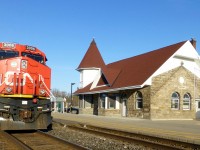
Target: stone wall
x=96 y=104
x=131 y=103
x=86 y=111
x=178 y=80
x=109 y=112
x=146 y=102
x=156 y=98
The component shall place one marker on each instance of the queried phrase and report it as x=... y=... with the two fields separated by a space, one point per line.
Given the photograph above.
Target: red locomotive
x=24 y=88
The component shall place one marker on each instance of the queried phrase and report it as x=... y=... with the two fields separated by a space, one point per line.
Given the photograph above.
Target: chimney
x=193 y=42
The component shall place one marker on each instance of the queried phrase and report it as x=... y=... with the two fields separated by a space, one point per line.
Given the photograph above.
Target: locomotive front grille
x=25 y=114
x=4 y=115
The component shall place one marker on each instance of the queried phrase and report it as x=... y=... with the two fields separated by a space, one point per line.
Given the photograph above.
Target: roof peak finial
x=193 y=42
x=93 y=40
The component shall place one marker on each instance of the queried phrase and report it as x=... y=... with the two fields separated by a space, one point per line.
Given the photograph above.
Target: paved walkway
x=184 y=130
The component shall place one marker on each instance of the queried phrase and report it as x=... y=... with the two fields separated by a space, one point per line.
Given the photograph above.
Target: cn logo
x=10 y=75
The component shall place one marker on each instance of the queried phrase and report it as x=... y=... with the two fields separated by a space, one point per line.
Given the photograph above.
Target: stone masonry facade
x=161 y=92
x=156 y=98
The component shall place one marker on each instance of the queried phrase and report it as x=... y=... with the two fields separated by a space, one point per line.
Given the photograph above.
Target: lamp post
x=71 y=97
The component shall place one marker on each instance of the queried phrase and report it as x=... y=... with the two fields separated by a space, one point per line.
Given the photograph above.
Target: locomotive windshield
x=35 y=57
x=4 y=54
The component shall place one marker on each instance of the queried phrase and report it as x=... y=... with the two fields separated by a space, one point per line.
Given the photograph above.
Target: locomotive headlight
x=6 y=108
x=13 y=64
x=8 y=89
x=39 y=108
x=42 y=92
x=24 y=64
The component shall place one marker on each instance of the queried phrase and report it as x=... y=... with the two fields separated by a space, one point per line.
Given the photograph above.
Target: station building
x=160 y=84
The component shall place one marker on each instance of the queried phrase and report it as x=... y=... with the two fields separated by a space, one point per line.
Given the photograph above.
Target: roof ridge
x=134 y=71
x=181 y=43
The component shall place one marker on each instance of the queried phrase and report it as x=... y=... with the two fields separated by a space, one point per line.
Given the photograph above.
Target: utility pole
x=71 y=97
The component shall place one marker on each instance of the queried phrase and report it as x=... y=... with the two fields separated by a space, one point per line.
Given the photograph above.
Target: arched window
x=139 y=100
x=186 y=101
x=175 y=101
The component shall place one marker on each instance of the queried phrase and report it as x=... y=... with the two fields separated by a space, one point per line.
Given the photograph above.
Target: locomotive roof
x=20 y=47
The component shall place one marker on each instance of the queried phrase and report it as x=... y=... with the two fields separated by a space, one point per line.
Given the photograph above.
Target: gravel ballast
x=91 y=141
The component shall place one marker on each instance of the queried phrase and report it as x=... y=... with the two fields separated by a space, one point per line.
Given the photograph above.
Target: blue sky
x=63 y=29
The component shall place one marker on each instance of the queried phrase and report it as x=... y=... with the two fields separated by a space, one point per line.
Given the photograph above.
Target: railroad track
x=137 y=138
x=8 y=143
x=35 y=140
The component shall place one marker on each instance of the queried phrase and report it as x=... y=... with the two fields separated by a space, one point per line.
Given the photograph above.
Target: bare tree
x=58 y=93
x=67 y=96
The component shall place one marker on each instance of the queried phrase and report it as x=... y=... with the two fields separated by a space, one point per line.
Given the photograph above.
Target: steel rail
x=44 y=138
x=15 y=141
x=72 y=145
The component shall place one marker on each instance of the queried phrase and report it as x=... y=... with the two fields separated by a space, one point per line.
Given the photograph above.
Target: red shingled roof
x=133 y=71
x=92 y=58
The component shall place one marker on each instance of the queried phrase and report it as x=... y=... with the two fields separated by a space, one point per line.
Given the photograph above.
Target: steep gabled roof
x=92 y=58
x=134 y=71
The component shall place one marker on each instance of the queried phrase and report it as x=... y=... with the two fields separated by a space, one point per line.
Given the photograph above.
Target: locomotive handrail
x=51 y=94
x=2 y=83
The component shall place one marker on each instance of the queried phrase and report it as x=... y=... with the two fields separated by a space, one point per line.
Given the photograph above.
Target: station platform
x=181 y=130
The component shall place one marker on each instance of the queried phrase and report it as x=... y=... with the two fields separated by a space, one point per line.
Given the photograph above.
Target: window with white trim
x=111 y=102
x=175 y=101
x=139 y=100
x=198 y=105
x=186 y=101
x=88 y=101
x=103 y=99
x=81 y=101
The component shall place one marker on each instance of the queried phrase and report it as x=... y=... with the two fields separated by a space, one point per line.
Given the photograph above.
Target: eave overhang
x=89 y=68
x=110 y=90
